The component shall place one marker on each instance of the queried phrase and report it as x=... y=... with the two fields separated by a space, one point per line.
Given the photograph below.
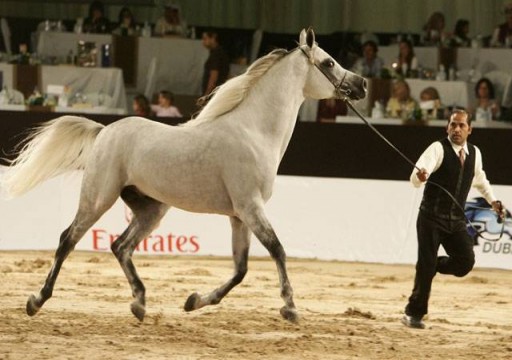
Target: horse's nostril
x=365 y=85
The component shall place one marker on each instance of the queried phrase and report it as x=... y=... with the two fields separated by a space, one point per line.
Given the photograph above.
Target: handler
x=456 y=165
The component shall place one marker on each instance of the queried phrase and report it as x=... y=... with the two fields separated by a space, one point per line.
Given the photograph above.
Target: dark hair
x=410 y=56
x=96 y=5
x=371 y=43
x=460 y=111
x=459 y=28
x=122 y=13
x=167 y=95
x=143 y=104
x=490 y=86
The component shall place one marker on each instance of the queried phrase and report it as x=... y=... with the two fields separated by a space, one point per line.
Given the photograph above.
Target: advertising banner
x=324 y=218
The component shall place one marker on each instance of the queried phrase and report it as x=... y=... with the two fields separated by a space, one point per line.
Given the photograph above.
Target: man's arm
x=481 y=183
x=212 y=80
x=428 y=162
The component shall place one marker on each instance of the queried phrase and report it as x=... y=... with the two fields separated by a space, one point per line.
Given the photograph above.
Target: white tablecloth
x=483 y=60
x=59 y=44
x=179 y=64
x=427 y=56
x=87 y=80
x=452 y=93
x=108 y=81
x=7 y=75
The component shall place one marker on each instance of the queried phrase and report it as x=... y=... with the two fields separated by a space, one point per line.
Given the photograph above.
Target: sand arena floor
x=348 y=311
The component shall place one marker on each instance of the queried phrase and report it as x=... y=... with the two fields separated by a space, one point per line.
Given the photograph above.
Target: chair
x=6 y=34
x=149 y=90
x=256 y=43
x=501 y=81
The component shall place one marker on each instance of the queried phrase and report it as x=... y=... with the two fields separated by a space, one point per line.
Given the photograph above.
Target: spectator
x=171 y=24
x=216 y=67
x=460 y=35
x=328 y=109
x=369 y=65
x=96 y=22
x=126 y=24
x=502 y=35
x=141 y=106
x=486 y=106
x=433 y=31
x=407 y=64
x=430 y=104
x=165 y=106
x=401 y=104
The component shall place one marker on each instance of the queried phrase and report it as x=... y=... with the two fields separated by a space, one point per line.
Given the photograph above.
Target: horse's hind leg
x=241 y=236
x=254 y=217
x=147 y=213
x=86 y=216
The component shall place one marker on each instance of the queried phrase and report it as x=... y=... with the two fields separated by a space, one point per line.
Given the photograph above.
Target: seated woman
x=430 y=104
x=126 y=23
x=401 y=104
x=407 y=63
x=165 y=107
x=370 y=65
x=460 y=35
x=172 y=23
x=96 y=22
x=486 y=107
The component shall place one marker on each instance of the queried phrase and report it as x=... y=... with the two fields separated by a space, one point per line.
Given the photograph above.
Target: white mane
x=229 y=95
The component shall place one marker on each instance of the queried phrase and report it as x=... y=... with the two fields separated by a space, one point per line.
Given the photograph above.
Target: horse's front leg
x=254 y=217
x=241 y=236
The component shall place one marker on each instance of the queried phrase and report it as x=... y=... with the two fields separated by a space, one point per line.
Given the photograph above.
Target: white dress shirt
x=432 y=158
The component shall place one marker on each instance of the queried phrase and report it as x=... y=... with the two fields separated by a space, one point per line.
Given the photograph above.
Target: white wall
x=325 y=218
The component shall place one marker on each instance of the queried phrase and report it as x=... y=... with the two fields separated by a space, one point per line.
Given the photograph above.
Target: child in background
x=165 y=107
x=141 y=106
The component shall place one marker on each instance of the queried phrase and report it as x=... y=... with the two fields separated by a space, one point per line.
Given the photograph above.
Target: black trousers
x=433 y=232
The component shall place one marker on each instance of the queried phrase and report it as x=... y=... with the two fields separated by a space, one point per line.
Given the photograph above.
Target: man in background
x=216 y=67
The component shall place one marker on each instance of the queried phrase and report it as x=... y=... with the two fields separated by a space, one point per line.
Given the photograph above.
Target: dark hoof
x=289 y=314
x=192 y=302
x=138 y=310
x=32 y=308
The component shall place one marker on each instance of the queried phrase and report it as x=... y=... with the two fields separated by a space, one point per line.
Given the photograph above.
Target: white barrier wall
x=325 y=218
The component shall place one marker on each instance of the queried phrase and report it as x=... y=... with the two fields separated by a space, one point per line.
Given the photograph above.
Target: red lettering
x=158 y=245
x=180 y=242
x=194 y=241
x=97 y=236
x=170 y=242
x=154 y=243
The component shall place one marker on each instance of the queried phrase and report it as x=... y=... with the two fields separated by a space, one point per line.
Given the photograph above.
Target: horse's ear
x=302 y=37
x=310 y=37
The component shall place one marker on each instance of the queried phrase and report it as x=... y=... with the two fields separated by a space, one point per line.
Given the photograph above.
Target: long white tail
x=53 y=148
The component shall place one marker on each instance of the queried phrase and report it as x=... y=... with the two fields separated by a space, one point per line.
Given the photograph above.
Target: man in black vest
x=456 y=165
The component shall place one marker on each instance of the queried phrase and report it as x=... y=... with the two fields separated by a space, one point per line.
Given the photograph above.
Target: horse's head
x=326 y=78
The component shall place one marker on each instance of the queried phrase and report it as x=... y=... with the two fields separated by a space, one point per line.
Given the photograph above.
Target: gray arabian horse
x=228 y=154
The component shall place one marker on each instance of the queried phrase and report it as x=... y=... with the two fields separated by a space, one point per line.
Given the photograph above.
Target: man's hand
x=498 y=207
x=422 y=175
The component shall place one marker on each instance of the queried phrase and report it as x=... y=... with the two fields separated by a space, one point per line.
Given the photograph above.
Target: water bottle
x=105 y=55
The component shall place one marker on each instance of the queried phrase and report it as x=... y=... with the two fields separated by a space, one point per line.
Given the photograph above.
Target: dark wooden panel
x=329 y=150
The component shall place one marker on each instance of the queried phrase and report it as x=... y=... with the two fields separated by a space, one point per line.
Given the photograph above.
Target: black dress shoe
x=414 y=322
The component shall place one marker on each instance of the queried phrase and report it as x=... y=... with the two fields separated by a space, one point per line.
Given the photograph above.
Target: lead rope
x=470 y=224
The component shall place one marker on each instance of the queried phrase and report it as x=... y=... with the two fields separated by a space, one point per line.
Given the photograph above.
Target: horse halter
x=341 y=89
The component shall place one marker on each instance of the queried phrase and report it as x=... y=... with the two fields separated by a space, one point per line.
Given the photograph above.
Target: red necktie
x=462 y=156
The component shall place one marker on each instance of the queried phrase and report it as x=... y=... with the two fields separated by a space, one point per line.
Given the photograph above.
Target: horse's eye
x=328 y=63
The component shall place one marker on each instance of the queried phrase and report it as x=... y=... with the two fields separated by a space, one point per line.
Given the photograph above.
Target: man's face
x=458 y=129
x=207 y=41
